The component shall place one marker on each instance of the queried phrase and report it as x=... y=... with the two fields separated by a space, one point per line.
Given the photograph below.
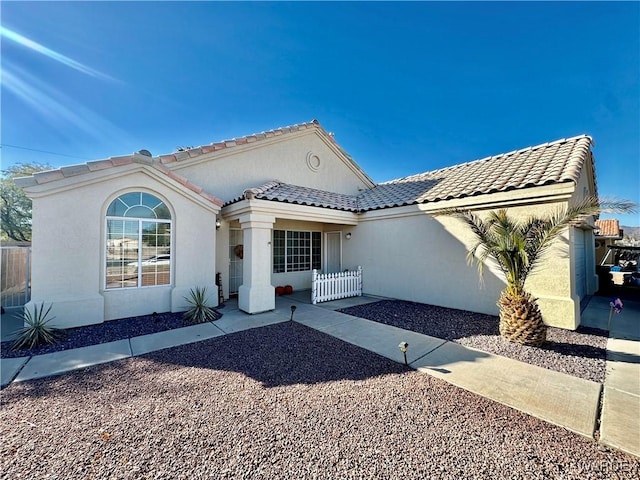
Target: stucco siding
x=69 y=245
x=66 y=257
x=422 y=258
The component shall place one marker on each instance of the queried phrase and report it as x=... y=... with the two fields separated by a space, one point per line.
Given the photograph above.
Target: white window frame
x=286 y=237
x=140 y=233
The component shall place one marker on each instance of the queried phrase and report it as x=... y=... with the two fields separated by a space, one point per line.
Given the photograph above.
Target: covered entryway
x=282 y=243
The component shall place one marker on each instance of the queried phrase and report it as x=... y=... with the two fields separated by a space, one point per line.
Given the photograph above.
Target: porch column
x=256 y=294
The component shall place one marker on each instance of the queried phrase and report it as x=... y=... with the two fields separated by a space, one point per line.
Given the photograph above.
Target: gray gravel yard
x=282 y=401
x=580 y=353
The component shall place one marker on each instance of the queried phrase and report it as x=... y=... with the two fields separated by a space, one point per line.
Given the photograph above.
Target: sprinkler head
x=293 y=309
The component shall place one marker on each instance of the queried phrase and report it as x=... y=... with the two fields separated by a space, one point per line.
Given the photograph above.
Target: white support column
x=256 y=294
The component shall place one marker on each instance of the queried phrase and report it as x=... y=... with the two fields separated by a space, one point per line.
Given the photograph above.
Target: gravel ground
x=282 y=401
x=104 y=332
x=581 y=353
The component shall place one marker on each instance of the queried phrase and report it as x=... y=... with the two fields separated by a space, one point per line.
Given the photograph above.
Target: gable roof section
x=161 y=161
x=43 y=178
x=608 y=228
x=551 y=163
x=192 y=153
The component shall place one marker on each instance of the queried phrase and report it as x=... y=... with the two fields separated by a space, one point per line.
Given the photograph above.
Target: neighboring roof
x=42 y=178
x=608 y=228
x=551 y=163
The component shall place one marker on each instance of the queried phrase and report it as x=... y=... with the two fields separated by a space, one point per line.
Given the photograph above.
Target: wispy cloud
x=52 y=54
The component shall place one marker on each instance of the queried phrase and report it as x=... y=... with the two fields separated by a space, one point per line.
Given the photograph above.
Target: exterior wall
x=228 y=174
x=421 y=258
x=68 y=253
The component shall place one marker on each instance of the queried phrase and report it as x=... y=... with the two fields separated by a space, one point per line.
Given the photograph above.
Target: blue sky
x=405 y=87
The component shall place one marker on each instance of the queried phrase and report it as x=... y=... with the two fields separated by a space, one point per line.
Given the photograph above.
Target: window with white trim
x=296 y=251
x=138 y=243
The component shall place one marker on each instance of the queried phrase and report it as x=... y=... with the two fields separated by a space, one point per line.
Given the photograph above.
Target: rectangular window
x=138 y=253
x=295 y=251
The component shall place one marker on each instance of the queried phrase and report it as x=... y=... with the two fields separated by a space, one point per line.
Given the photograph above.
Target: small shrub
x=37 y=330
x=199 y=311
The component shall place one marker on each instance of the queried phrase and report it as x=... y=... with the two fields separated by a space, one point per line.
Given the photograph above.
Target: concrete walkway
x=620 y=420
x=561 y=399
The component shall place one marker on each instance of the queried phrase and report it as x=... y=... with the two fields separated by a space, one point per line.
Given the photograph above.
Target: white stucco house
x=131 y=235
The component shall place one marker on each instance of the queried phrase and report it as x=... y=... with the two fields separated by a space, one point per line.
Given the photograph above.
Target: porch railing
x=15 y=281
x=333 y=286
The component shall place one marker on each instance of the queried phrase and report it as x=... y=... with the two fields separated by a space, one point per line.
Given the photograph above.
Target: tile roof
x=284 y=192
x=41 y=178
x=160 y=161
x=608 y=228
x=224 y=144
x=551 y=163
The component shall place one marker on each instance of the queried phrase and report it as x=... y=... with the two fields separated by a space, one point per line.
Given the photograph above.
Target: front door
x=333 y=252
x=236 y=253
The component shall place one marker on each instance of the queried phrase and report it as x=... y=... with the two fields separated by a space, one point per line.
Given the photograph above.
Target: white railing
x=332 y=286
x=15 y=281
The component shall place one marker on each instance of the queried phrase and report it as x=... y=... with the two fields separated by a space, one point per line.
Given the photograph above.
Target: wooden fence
x=15 y=280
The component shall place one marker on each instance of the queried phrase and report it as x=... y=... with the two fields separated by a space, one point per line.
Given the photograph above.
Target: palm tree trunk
x=520 y=318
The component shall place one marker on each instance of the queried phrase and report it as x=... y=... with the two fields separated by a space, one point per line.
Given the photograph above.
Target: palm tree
x=517 y=247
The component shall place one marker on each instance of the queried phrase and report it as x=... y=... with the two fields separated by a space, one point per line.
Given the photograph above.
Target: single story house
x=131 y=235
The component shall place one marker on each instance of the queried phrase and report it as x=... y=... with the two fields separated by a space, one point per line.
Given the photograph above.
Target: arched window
x=138 y=242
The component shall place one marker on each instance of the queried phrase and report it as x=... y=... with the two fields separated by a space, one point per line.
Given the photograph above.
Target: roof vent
x=146 y=153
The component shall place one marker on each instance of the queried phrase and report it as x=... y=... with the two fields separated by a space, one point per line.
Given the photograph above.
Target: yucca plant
x=517 y=247
x=199 y=311
x=36 y=330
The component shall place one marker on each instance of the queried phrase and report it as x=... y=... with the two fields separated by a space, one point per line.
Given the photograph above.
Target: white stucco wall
x=69 y=252
x=421 y=259
x=417 y=257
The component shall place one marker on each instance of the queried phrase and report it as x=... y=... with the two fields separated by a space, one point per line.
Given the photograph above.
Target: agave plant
x=517 y=247
x=199 y=311
x=36 y=330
